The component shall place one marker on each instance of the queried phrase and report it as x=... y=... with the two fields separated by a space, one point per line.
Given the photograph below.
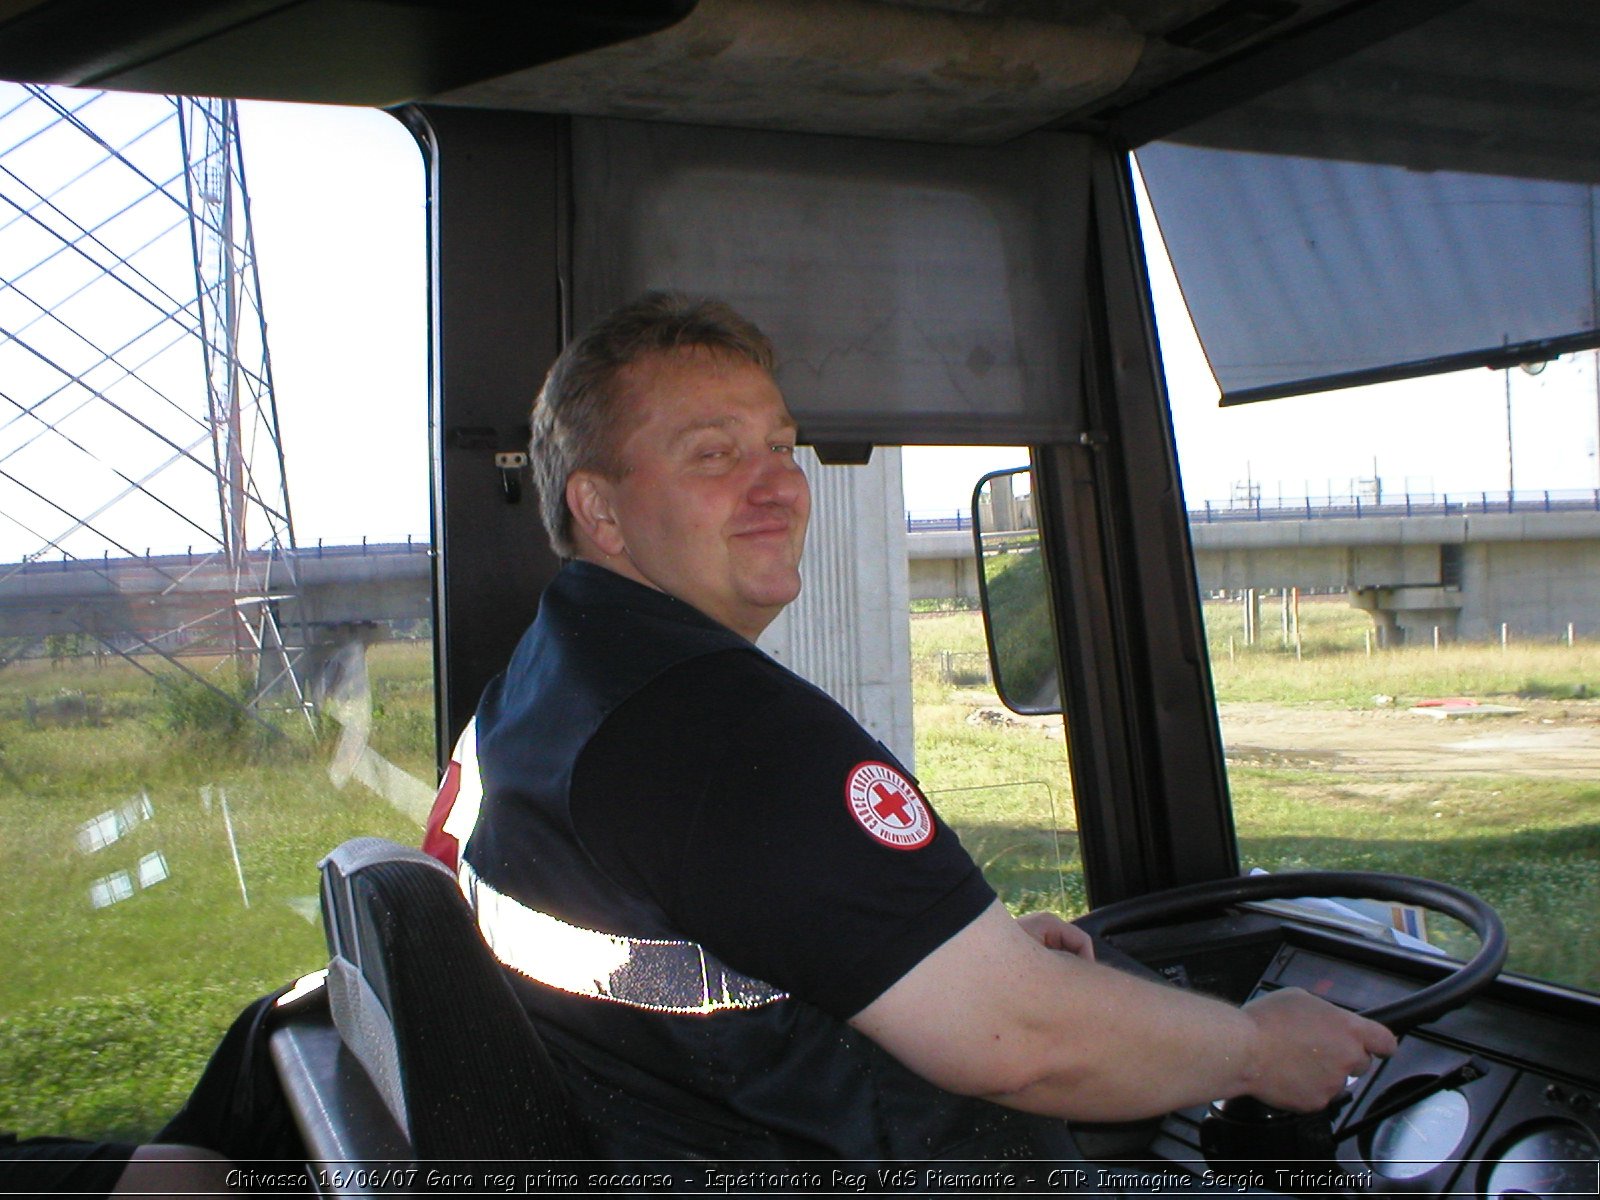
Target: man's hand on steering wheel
x=1307 y=1049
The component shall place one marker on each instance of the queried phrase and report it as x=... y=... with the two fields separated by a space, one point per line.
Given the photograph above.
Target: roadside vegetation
x=198 y=834
x=1337 y=666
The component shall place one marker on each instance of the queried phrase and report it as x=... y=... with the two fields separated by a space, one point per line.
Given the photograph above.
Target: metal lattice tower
x=139 y=432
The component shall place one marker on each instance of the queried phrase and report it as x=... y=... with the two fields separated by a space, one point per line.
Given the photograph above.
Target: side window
x=215 y=626
x=1000 y=778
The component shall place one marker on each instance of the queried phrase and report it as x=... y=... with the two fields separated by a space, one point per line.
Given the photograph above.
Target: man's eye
x=783 y=448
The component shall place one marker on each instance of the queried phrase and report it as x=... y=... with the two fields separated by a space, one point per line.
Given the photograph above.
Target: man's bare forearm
x=994 y=1013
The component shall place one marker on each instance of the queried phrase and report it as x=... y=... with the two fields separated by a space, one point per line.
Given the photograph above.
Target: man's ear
x=594 y=518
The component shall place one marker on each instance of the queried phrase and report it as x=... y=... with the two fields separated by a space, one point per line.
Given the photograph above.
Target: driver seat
x=424 y=1006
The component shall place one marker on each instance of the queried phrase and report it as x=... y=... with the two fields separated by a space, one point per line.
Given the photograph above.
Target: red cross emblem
x=891 y=806
x=888 y=806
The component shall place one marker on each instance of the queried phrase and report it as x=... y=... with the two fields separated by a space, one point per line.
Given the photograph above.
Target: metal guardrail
x=928 y=523
x=190 y=558
x=1429 y=504
x=1312 y=508
x=409 y=546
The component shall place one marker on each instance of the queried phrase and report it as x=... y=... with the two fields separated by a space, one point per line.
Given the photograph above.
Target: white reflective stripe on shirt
x=662 y=976
x=462 y=818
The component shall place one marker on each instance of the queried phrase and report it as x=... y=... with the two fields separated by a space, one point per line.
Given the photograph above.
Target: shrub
x=216 y=713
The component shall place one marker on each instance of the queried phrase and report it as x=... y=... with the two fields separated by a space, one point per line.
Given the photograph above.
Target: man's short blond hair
x=578 y=418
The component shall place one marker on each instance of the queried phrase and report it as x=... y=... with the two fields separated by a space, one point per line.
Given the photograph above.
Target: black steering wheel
x=1176 y=904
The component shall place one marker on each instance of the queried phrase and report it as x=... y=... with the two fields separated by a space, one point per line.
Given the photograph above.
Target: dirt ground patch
x=1540 y=738
x=1544 y=739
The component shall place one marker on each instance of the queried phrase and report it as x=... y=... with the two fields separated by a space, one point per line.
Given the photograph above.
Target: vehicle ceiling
x=960 y=70
x=1507 y=78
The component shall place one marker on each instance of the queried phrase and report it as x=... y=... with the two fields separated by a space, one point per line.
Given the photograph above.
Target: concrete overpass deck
x=149 y=597
x=1463 y=566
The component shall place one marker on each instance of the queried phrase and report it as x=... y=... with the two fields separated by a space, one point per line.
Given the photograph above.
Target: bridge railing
x=1408 y=504
x=365 y=549
x=938 y=522
x=192 y=557
x=1310 y=508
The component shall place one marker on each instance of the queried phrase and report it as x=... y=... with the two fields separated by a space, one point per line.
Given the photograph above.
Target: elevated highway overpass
x=179 y=603
x=1462 y=565
x=1464 y=573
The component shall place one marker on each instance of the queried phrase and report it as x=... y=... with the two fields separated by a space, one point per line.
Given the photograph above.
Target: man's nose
x=779 y=480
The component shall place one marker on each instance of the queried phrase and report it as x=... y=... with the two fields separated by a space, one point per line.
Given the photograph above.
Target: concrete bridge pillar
x=856 y=587
x=325 y=643
x=1386 y=630
x=1403 y=615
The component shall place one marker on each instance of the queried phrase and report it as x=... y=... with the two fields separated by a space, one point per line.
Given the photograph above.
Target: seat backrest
x=425 y=1007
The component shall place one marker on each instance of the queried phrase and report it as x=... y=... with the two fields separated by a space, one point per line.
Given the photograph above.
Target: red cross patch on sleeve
x=888 y=806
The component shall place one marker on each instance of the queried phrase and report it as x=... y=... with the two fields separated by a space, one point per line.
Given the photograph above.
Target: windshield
x=1399 y=585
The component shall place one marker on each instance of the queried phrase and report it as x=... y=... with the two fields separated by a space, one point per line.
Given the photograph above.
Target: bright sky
x=337 y=206
x=338 y=213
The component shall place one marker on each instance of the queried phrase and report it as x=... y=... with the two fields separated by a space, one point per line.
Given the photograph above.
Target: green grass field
x=107 y=1014
x=1336 y=667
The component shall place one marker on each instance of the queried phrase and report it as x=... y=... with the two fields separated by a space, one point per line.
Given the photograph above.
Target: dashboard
x=1497 y=1099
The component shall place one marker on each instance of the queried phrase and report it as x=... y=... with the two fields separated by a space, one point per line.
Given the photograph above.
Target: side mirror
x=1014 y=594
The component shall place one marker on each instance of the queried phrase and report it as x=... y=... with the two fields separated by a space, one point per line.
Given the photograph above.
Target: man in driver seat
x=740 y=925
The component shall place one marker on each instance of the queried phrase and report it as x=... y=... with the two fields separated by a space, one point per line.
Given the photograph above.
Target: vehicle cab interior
x=939 y=211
